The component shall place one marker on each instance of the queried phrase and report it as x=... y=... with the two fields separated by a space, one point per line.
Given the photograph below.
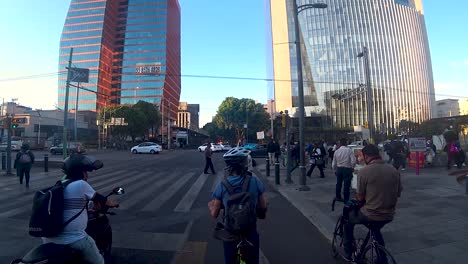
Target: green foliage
x=140 y=117
x=233 y=113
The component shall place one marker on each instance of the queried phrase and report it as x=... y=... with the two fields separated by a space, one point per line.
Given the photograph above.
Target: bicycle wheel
x=376 y=254
x=337 y=240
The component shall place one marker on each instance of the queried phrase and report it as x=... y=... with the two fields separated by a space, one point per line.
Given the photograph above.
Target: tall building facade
x=447 y=108
x=188 y=116
x=132 y=49
x=399 y=60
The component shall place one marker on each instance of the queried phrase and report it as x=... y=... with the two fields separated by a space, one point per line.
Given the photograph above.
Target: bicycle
x=242 y=250
x=366 y=250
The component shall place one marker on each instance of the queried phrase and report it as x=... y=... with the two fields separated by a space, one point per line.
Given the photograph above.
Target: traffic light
x=366 y=124
x=283 y=120
x=15 y=126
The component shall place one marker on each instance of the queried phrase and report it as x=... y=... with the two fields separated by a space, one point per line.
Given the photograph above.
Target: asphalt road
x=163 y=217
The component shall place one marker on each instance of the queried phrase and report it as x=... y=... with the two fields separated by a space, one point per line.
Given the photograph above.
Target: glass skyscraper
x=132 y=49
x=400 y=67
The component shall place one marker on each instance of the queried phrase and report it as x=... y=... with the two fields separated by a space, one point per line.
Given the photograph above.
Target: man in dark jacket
x=208 y=162
x=23 y=163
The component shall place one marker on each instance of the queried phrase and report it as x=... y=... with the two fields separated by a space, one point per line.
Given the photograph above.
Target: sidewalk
x=430 y=226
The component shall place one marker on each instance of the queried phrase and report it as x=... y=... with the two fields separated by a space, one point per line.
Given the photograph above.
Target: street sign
x=19 y=120
x=148 y=68
x=260 y=135
x=79 y=75
x=417 y=144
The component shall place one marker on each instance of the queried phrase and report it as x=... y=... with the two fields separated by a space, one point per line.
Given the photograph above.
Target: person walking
x=271 y=149
x=208 y=162
x=343 y=164
x=23 y=163
x=316 y=159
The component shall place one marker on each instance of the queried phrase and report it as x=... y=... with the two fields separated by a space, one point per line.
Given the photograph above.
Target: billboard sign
x=148 y=68
x=417 y=144
x=79 y=75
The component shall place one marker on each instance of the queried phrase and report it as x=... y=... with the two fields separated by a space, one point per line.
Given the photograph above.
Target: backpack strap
x=246 y=183
x=75 y=216
x=65 y=184
x=228 y=186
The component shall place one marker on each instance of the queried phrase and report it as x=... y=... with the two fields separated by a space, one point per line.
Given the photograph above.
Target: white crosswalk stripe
x=156 y=203
x=187 y=201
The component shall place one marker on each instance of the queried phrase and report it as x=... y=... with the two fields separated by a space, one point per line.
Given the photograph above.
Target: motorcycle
x=98 y=228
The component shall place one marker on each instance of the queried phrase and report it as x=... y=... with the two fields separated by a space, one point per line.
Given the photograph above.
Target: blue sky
x=219 y=38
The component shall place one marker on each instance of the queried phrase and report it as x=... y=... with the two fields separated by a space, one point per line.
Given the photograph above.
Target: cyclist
x=236 y=161
x=379 y=188
x=76 y=195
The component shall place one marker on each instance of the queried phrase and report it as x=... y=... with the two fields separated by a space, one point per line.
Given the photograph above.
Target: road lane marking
x=146 y=240
x=189 y=198
x=152 y=187
x=156 y=203
x=192 y=252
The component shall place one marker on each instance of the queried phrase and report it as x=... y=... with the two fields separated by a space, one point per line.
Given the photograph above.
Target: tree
x=152 y=117
x=234 y=113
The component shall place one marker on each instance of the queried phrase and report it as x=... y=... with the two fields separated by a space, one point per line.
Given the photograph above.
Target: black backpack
x=47 y=212
x=239 y=215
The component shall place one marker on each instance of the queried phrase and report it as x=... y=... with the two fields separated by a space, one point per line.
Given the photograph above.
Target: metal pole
x=8 y=150
x=267 y=167
x=39 y=130
x=76 y=112
x=271 y=116
x=370 y=116
x=65 y=111
x=288 y=152
x=277 y=173
x=300 y=90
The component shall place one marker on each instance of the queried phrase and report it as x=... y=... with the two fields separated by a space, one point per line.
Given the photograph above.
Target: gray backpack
x=240 y=212
x=25 y=158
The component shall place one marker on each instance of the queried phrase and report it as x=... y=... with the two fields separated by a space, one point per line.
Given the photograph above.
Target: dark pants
x=356 y=217
x=24 y=170
x=312 y=167
x=230 y=250
x=343 y=177
x=209 y=164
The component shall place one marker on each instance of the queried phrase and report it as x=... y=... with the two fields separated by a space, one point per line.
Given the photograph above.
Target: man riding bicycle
x=241 y=226
x=379 y=188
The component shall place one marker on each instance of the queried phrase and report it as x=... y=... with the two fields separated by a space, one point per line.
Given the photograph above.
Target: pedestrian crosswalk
x=148 y=191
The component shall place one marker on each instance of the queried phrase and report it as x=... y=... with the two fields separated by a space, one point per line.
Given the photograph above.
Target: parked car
x=217 y=147
x=147 y=147
x=71 y=148
x=225 y=147
x=259 y=151
x=213 y=147
x=250 y=145
x=14 y=146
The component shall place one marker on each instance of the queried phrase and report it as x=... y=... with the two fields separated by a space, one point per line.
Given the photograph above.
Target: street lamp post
x=369 y=103
x=300 y=88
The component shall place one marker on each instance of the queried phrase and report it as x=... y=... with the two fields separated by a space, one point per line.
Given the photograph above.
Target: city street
x=163 y=216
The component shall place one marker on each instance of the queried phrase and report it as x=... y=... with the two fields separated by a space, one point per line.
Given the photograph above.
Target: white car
x=214 y=148
x=225 y=147
x=147 y=147
x=217 y=147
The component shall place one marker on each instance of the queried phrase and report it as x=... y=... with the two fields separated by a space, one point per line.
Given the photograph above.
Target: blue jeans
x=344 y=177
x=230 y=249
x=88 y=250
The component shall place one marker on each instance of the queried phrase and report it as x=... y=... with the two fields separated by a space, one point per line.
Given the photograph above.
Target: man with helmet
x=236 y=166
x=77 y=194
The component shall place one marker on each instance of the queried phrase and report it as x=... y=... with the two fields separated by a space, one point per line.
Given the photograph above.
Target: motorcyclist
x=76 y=197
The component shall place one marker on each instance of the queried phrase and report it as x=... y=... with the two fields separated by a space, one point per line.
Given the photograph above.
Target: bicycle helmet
x=76 y=164
x=237 y=157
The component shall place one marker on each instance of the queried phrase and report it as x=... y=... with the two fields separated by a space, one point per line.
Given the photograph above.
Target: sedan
x=213 y=147
x=146 y=147
x=259 y=151
x=225 y=147
x=71 y=148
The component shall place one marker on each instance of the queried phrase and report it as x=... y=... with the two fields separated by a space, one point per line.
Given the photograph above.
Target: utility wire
x=236 y=78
